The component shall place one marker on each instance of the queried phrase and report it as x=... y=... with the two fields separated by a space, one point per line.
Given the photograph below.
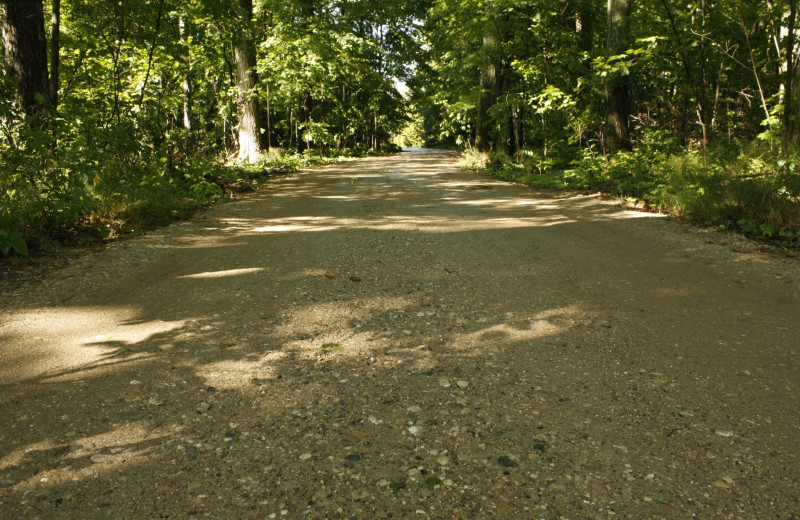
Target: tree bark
x=617 y=87
x=55 y=56
x=245 y=58
x=26 y=56
x=791 y=128
x=488 y=87
x=186 y=86
x=583 y=24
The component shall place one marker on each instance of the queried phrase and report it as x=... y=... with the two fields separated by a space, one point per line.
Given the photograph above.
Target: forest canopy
x=120 y=114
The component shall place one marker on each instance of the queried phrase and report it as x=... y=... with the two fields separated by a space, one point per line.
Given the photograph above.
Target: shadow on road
x=189 y=373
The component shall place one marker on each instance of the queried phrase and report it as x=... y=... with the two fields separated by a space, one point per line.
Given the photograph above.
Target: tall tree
x=489 y=85
x=26 y=55
x=249 y=113
x=55 y=53
x=791 y=127
x=617 y=85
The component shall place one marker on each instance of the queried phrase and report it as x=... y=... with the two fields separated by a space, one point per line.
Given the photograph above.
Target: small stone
x=462 y=384
x=443 y=461
x=444 y=383
x=136 y=382
x=414 y=409
x=354 y=457
x=360 y=494
x=305 y=456
x=506 y=462
x=98 y=458
x=355 y=278
x=203 y=407
x=415 y=430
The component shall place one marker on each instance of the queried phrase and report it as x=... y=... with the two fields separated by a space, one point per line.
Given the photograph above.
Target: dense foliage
x=148 y=115
x=125 y=113
x=691 y=106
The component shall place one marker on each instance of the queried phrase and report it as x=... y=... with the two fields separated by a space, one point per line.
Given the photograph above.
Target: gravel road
x=395 y=338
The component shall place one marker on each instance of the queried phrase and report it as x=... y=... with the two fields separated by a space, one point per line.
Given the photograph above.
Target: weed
x=433 y=481
x=330 y=347
x=11 y=240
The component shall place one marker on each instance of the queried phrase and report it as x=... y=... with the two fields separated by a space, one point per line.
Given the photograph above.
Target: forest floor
x=395 y=338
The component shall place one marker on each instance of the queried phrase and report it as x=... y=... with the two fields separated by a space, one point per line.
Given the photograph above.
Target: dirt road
x=393 y=338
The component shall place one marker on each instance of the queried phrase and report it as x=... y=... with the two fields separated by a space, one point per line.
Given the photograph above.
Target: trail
x=395 y=338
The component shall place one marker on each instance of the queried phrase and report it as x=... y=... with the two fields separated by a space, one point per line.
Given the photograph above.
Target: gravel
x=394 y=338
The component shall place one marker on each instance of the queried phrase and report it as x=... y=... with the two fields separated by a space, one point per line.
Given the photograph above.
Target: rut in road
x=395 y=338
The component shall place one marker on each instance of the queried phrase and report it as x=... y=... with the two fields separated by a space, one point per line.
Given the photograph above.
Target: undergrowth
x=748 y=188
x=109 y=193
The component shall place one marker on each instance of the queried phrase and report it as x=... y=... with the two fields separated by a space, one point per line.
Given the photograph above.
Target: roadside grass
x=748 y=189
x=124 y=195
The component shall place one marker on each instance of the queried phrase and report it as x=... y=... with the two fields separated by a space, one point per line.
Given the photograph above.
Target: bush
x=747 y=187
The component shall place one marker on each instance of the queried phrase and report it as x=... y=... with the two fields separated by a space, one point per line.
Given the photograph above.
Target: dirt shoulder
x=395 y=338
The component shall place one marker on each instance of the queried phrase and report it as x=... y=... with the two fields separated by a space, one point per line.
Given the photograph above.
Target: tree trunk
x=791 y=128
x=26 y=56
x=306 y=106
x=55 y=49
x=583 y=24
x=617 y=87
x=187 y=76
x=488 y=87
x=705 y=112
x=151 y=53
x=245 y=58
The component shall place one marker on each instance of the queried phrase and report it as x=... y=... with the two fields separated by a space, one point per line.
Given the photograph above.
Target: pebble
x=290 y=485
x=506 y=462
x=360 y=494
x=305 y=456
x=462 y=384
x=415 y=430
